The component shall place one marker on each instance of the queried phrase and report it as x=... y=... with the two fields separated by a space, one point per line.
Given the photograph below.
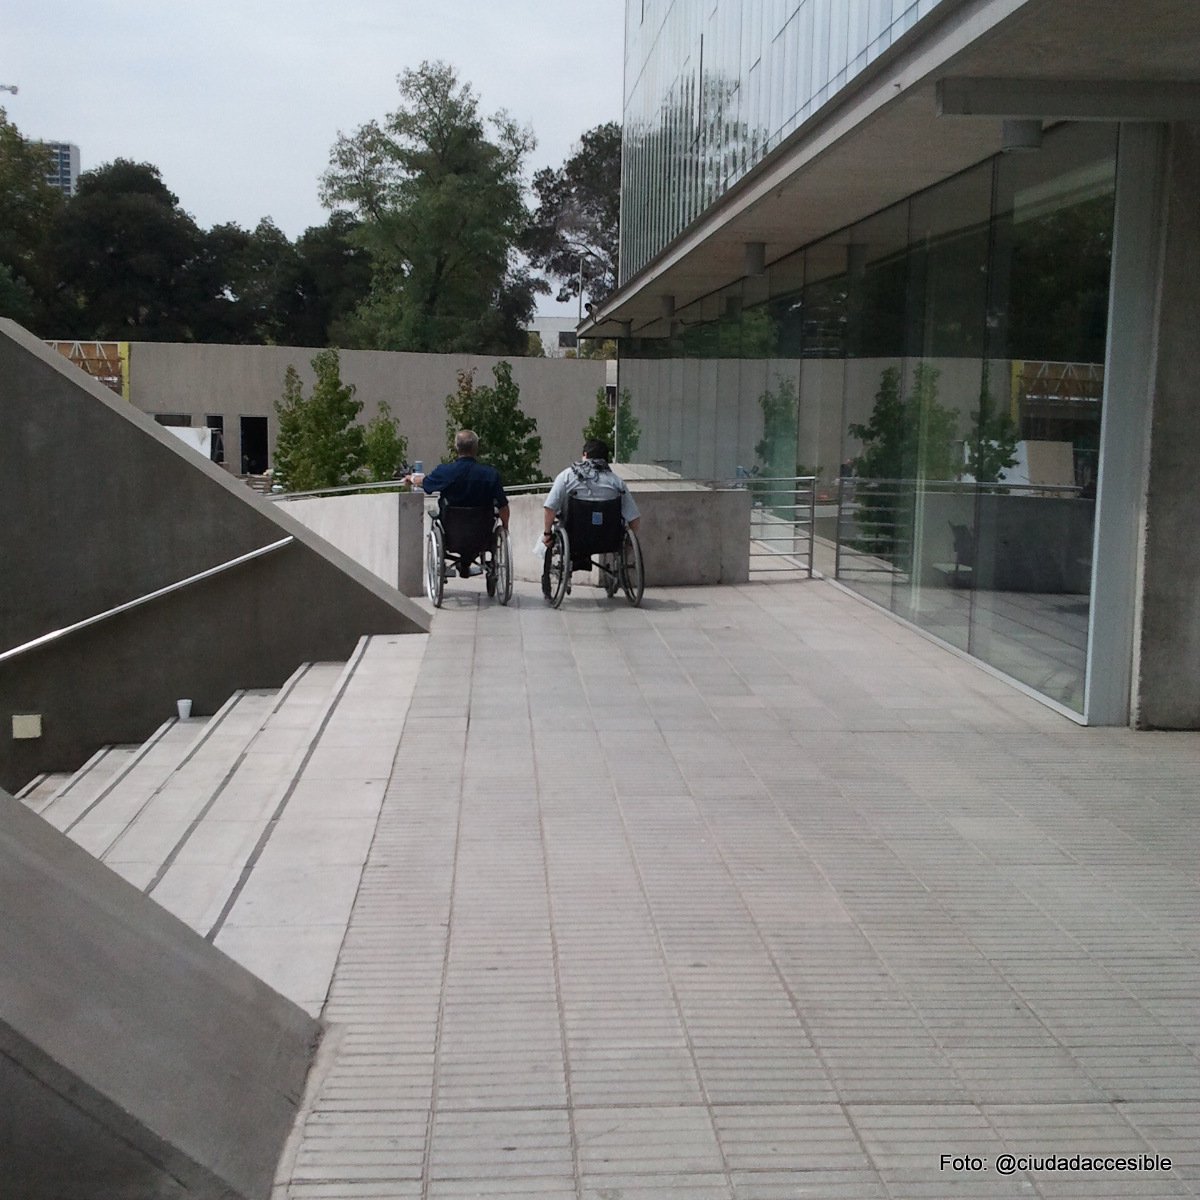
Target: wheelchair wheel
x=611 y=574
x=435 y=581
x=502 y=558
x=560 y=566
x=632 y=577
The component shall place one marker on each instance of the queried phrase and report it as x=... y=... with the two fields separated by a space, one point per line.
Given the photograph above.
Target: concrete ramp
x=136 y=1059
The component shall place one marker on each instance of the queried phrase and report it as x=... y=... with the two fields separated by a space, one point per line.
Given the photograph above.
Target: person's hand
x=547 y=537
x=416 y=480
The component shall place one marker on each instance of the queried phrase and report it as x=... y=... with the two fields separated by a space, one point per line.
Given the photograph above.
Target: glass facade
x=698 y=110
x=939 y=366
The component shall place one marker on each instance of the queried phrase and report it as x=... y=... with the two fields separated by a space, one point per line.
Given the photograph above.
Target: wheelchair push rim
x=435 y=580
x=502 y=562
x=559 y=554
x=632 y=576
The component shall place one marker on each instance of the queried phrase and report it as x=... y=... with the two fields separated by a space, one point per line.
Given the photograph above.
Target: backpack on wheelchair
x=592 y=534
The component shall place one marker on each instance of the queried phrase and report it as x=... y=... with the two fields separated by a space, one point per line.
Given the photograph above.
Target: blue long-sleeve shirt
x=466 y=483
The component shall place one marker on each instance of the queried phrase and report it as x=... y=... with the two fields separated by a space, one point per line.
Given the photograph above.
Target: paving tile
x=748 y=894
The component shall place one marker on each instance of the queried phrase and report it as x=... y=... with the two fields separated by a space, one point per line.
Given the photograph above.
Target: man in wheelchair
x=471 y=501
x=465 y=483
x=603 y=511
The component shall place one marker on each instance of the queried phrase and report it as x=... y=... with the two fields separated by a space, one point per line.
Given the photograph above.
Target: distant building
x=557 y=334
x=64 y=166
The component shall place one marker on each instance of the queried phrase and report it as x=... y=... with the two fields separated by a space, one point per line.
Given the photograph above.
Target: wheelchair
x=460 y=535
x=592 y=533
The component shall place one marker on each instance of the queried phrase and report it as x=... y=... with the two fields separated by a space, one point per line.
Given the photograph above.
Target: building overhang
x=935 y=104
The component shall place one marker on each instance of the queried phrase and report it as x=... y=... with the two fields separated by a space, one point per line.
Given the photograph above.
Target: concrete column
x=1167 y=665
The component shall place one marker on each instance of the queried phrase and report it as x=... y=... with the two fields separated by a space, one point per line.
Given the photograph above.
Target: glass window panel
x=1047 y=314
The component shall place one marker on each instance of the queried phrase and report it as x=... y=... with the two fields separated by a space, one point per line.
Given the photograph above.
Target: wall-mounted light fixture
x=1021 y=135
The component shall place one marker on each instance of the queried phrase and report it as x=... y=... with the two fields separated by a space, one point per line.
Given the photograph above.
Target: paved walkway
x=752 y=893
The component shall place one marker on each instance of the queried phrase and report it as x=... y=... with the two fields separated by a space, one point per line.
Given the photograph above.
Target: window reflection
x=939 y=367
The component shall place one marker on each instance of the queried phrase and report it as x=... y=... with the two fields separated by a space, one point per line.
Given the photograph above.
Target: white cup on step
x=185 y=709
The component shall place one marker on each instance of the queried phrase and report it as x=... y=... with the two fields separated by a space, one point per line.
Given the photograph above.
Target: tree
x=334 y=274
x=602 y=423
x=615 y=425
x=130 y=258
x=507 y=437
x=574 y=230
x=992 y=442
x=319 y=444
x=595 y=348
x=908 y=438
x=629 y=429
x=385 y=451
x=905 y=439
x=442 y=210
x=29 y=208
x=775 y=451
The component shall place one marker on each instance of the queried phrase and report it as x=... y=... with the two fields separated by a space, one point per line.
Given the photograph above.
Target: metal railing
x=55 y=634
x=876 y=518
x=783 y=522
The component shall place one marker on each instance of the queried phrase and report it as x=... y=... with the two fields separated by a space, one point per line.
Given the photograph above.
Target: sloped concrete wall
x=136 y=1059
x=100 y=506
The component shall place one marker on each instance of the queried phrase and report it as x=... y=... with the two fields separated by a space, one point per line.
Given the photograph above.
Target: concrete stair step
x=42 y=789
x=253 y=826
x=204 y=864
x=287 y=916
x=86 y=784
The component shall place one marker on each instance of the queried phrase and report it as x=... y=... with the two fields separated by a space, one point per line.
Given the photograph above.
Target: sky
x=238 y=102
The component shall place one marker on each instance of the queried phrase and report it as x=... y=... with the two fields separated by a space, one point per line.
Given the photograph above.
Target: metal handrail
x=55 y=634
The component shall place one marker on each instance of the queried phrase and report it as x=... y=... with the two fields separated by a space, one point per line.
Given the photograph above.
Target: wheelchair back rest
x=468 y=530
x=594 y=526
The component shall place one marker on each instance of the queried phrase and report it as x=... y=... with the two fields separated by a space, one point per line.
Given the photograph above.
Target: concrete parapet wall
x=135 y=1058
x=101 y=506
x=689 y=534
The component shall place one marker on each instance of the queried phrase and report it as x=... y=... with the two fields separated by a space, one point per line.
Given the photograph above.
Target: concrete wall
x=238 y=381
x=100 y=506
x=689 y=535
x=692 y=536
x=136 y=1059
x=1168 y=683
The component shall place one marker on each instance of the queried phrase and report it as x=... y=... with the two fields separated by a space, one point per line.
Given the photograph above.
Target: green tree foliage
x=29 y=209
x=909 y=437
x=601 y=423
x=595 y=348
x=775 y=451
x=508 y=439
x=629 y=429
x=992 y=442
x=384 y=449
x=129 y=257
x=319 y=444
x=442 y=211
x=334 y=278
x=574 y=228
x=906 y=438
x=616 y=426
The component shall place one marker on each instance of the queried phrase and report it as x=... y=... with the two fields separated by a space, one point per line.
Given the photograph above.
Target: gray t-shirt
x=591 y=481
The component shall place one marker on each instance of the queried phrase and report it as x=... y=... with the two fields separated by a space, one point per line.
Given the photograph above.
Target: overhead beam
x=1071 y=100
